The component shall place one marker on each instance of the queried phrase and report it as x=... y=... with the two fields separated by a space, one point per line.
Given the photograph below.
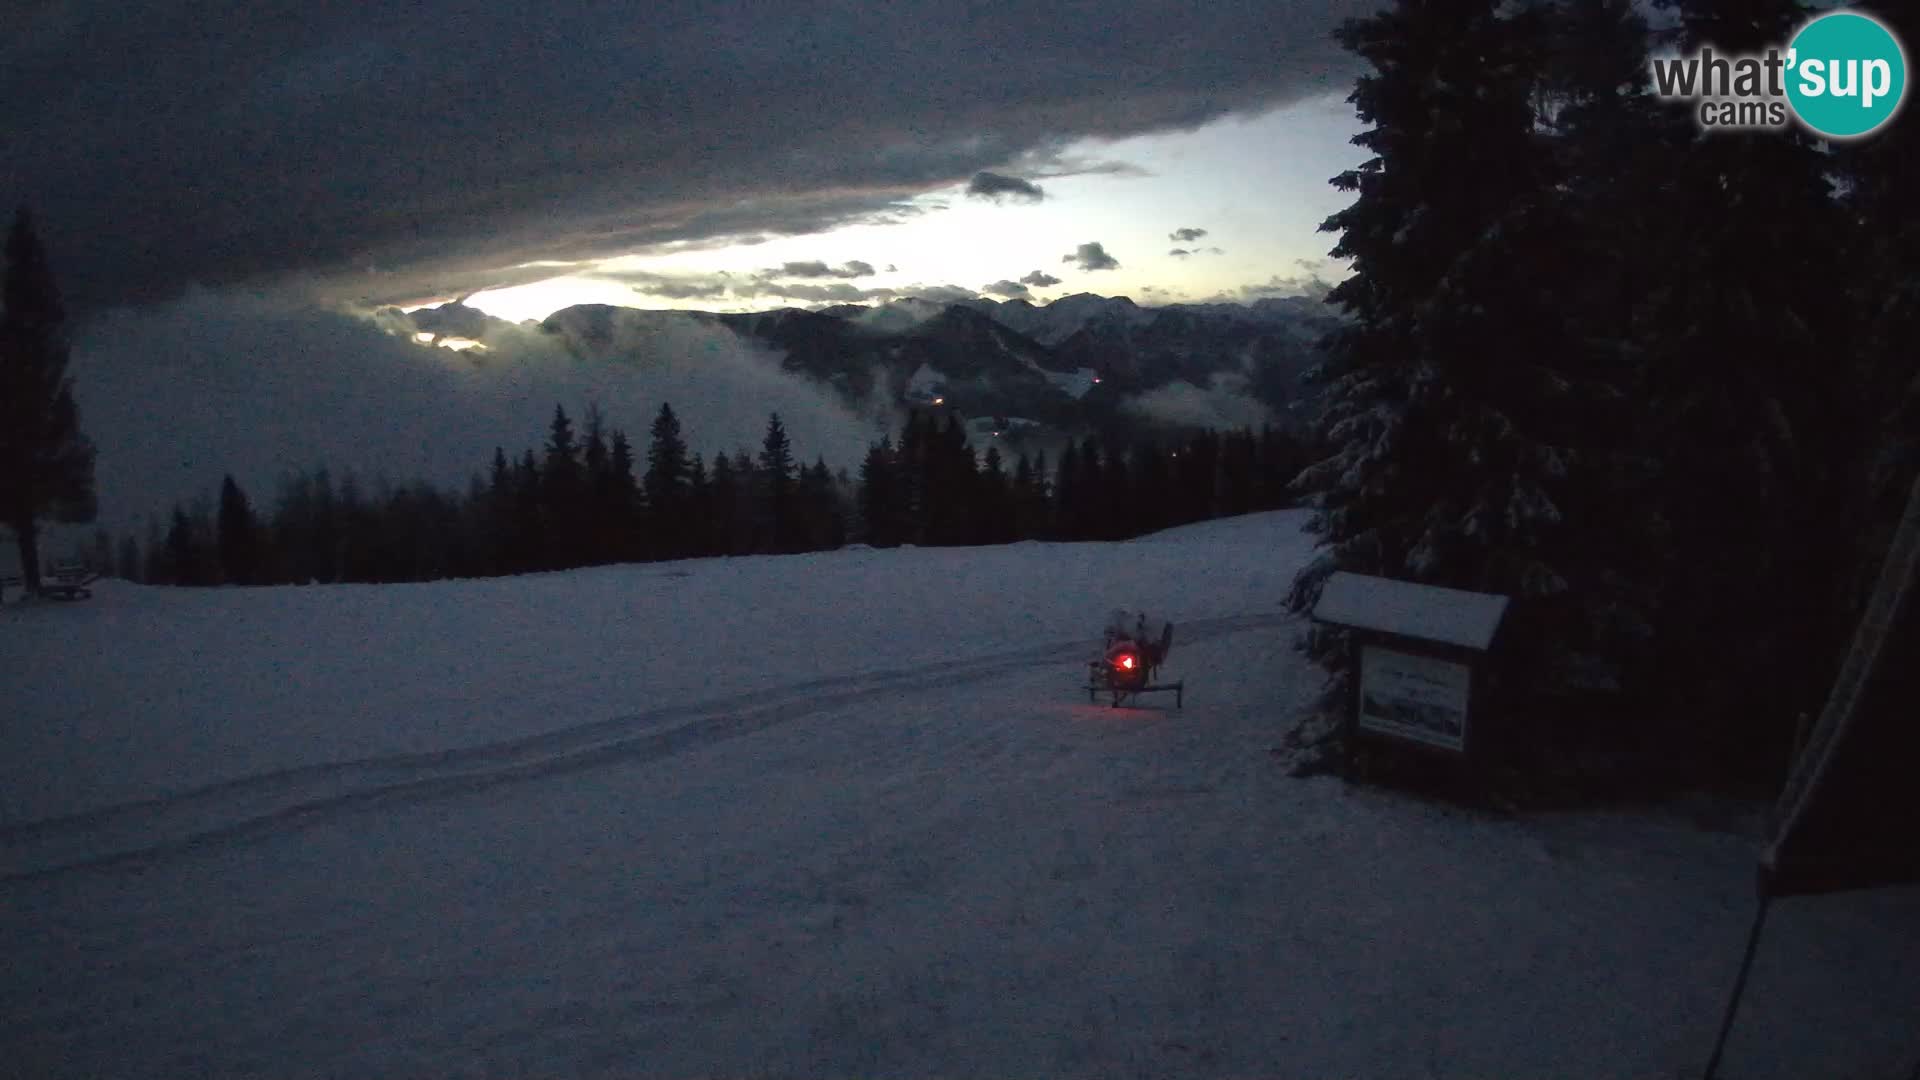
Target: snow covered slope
x=826 y=814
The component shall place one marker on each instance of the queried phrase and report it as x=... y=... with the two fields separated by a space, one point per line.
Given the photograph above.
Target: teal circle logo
x=1846 y=74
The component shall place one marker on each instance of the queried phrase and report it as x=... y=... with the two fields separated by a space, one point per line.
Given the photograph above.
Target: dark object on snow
x=1126 y=668
x=70 y=581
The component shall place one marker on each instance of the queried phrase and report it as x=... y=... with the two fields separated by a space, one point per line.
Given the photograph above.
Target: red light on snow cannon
x=1124 y=662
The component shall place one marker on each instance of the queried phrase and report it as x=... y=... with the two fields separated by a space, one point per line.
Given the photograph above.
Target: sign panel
x=1414 y=697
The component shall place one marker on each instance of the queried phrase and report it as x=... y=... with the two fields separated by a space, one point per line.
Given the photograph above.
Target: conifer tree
x=1443 y=412
x=724 y=493
x=776 y=480
x=1020 y=491
x=700 y=531
x=1094 y=511
x=496 y=515
x=1752 y=417
x=329 y=528
x=182 y=558
x=880 y=495
x=1067 y=495
x=599 y=527
x=815 y=508
x=1119 y=511
x=563 y=493
x=948 y=472
x=1039 y=514
x=623 y=501
x=530 y=534
x=1237 y=453
x=127 y=563
x=749 y=534
x=156 y=569
x=1195 y=470
x=239 y=541
x=910 y=472
x=995 y=522
x=669 y=524
x=1152 y=489
x=46 y=464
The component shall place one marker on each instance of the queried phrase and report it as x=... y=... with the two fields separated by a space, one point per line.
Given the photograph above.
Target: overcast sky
x=226 y=192
x=668 y=153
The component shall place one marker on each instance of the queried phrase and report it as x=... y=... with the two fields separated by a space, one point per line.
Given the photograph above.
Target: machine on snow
x=1130 y=655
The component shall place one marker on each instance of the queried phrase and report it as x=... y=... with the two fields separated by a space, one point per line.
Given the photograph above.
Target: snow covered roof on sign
x=1428 y=612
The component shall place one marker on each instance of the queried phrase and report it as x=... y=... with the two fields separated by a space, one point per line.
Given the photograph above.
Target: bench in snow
x=67 y=582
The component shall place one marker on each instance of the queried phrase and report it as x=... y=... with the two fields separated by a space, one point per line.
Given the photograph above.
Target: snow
x=1074 y=384
x=1427 y=612
x=830 y=814
x=925 y=383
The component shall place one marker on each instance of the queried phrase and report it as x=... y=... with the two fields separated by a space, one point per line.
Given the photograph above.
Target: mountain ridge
x=1082 y=361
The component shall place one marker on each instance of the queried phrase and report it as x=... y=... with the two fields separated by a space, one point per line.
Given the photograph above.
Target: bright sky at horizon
x=1257 y=186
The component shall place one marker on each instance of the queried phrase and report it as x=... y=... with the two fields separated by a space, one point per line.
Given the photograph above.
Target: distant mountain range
x=1080 y=362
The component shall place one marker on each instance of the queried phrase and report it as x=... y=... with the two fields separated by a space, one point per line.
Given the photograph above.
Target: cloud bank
x=1225 y=402
x=175 y=395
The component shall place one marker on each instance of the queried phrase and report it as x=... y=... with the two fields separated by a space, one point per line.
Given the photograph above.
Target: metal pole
x=1739 y=985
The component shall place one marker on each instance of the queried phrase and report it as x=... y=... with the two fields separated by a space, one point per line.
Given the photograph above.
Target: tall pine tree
x=880 y=495
x=669 y=523
x=1444 y=411
x=777 y=479
x=563 y=493
x=239 y=540
x=1750 y=376
x=46 y=464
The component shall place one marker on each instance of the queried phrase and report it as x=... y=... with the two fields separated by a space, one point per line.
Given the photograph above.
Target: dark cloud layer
x=443 y=145
x=1039 y=279
x=853 y=268
x=992 y=185
x=1091 y=257
x=1007 y=288
x=1186 y=236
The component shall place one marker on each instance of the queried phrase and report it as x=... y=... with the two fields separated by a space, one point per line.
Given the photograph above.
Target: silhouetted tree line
x=931 y=488
x=582 y=498
x=1654 y=381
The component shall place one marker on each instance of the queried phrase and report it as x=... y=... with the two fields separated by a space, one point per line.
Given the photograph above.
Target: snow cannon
x=1132 y=653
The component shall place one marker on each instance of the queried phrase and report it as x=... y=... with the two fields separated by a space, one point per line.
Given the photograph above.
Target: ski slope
x=829 y=814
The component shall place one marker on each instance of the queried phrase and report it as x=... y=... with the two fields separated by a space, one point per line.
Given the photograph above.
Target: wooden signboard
x=1416 y=653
